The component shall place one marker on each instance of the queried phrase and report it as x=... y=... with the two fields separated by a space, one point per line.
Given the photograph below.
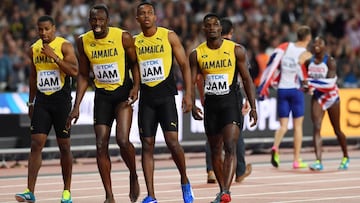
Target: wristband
x=57 y=59
x=28 y=104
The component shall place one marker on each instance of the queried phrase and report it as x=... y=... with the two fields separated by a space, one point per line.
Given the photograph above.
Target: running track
x=265 y=184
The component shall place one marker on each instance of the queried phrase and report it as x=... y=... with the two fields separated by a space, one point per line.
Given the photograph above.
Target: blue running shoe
x=66 y=197
x=344 y=163
x=188 y=194
x=149 y=199
x=26 y=196
x=317 y=166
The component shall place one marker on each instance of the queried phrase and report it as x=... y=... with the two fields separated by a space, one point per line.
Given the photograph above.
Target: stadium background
x=260 y=26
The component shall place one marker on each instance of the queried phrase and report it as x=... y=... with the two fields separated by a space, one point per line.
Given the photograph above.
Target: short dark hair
x=46 y=18
x=100 y=7
x=210 y=15
x=145 y=3
x=302 y=32
x=321 y=37
x=226 y=25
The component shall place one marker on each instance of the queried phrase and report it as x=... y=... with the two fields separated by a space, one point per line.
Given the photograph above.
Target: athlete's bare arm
x=32 y=83
x=69 y=64
x=179 y=53
x=306 y=55
x=129 y=46
x=81 y=83
x=196 y=111
x=331 y=63
x=241 y=64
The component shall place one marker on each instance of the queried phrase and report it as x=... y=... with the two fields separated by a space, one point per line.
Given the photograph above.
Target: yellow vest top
x=154 y=55
x=50 y=78
x=218 y=67
x=107 y=58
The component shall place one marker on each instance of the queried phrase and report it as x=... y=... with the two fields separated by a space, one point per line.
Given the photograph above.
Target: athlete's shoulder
x=61 y=40
x=163 y=29
x=89 y=33
x=283 y=45
x=138 y=35
x=201 y=45
x=36 y=43
x=115 y=29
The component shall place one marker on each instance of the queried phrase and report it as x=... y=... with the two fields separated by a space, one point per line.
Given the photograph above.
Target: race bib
x=107 y=73
x=48 y=80
x=216 y=84
x=152 y=70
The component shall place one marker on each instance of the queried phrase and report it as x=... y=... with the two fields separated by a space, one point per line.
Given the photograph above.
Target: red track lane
x=265 y=184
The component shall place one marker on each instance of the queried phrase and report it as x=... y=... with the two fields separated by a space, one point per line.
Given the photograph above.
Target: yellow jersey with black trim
x=50 y=78
x=107 y=58
x=218 y=67
x=154 y=56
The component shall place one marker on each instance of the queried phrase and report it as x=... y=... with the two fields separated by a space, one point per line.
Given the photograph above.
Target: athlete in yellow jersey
x=155 y=47
x=109 y=53
x=219 y=61
x=53 y=63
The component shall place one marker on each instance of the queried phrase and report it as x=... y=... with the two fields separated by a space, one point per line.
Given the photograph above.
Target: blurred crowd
x=260 y=25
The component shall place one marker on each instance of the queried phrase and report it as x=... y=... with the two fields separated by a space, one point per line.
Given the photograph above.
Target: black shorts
x=105 y=103
x=220 y=111
x=47 y=114
x=154 y=111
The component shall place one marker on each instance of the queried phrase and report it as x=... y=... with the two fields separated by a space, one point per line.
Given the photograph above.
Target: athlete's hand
x=197 y=113
x=186 y=103
x=245 y=108
x=133 y=96
x=74 y=115
x=48 y=51
x=253 y=117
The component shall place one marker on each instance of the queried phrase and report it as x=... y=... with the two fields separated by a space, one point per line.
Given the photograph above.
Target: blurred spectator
x=20 y=70
x=76 y=16
x=5 y=69
x=349 y=79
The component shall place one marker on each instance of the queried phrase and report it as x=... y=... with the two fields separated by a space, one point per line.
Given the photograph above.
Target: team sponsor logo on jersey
x=152 y=70
x=107 y=73
x=48 y=80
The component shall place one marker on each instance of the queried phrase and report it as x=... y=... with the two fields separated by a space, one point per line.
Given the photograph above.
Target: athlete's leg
x=334 y=115
x=216 y=146
x=123 y=123
x=147 y=161
x=177 y=153
x=283 y=109
x=230 y=137
x=298 y=134
x=297 y=105
x=102 y=133
x=240 y=156
x=35 y=159
x=280 y=132
x=66 y=161
x=208 y=157
x=64 y=142
x=317 y=115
